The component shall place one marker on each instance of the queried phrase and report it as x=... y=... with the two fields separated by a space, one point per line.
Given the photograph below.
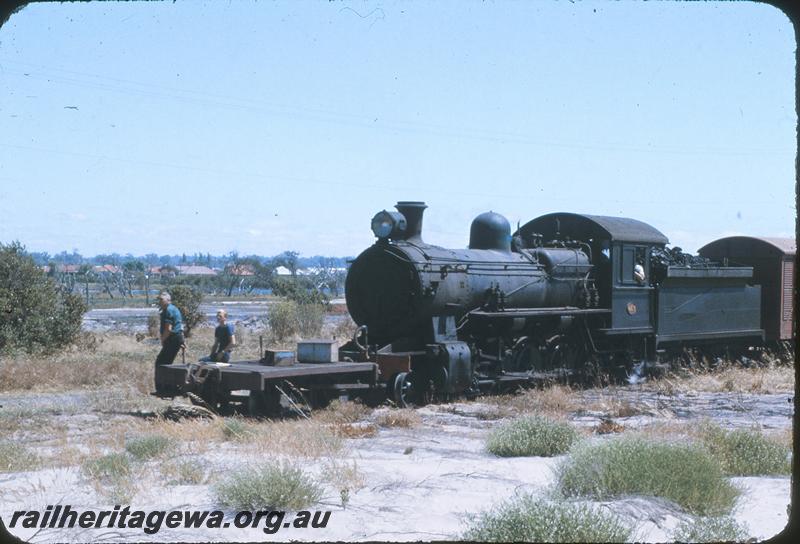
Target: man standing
x=171 y=330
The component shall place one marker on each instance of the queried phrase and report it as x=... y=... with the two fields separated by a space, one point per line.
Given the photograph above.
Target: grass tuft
x=236 y=429
x=404 y=418
x=185 y=472
x=280 y=486
x=16 y=457
x=149 y=446
x=712 y=529
x=108 y=467
x=745 y=452
x=343 y=412
x=530 y=519
x=681 y=472
x=112 y=476
x=531 y=436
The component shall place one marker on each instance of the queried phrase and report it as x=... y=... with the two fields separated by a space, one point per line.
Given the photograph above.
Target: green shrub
x=530 y=519
x=531 y=436
x=310 y=318
x=36 y=315
x=281 y=486
x=148 y=446
x=714 y=529
x=236 y=429
x=282 y=319
x=112 y=475
x=188 y=300
x=153 y=324
x=108 y=468
x=298 y=289
x=681 y=472
x=16 y=457
x=744 y=452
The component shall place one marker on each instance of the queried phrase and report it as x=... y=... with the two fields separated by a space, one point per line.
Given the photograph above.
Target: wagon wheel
x=402 y=390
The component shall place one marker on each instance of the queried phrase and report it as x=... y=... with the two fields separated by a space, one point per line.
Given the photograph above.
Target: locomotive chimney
x=412 y=211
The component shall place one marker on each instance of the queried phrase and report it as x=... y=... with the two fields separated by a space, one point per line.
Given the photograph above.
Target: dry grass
x=117 y=359
x=344 y=330
x=344 y=477
x=404 y=418
x=555 y=400
x=16 y=458
x=354 y=430
x=772 y=378
x=608 y=426
x=610 y=405
x=343 y=412
x=302 y=438
x=184 y=472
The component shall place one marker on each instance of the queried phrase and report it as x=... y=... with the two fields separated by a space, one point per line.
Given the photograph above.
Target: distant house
x=283 y=271
x=314 y=270
x=105 y=269
x=241 y=270
x=62 y=269
x=195 y=270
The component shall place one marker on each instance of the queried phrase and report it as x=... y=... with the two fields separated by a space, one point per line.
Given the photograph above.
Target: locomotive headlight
x=388 y=224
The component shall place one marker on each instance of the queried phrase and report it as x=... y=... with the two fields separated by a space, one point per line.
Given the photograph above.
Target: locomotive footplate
x=540 y=312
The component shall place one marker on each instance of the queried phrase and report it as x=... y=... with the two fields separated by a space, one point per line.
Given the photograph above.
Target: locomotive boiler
x=397 y=286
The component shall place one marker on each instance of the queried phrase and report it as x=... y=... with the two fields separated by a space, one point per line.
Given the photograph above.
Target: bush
x=744 y=452
x=282 y=319
x=16 y=457
x=283 y=486
x=684 y=473
x=148 y=446
x=531 y=436
x=36 y=315
x=310 y=318
x=188 y=300
x=299 y=289
x=529 y=519
x=153 y=324
x=719 y=529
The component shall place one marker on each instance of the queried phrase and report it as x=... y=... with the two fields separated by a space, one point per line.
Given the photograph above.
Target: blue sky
x=160 y=127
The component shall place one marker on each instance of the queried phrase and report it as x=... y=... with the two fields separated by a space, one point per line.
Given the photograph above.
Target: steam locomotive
x=564 y=295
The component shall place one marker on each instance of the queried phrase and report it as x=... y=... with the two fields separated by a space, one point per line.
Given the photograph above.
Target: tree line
x=241 y=275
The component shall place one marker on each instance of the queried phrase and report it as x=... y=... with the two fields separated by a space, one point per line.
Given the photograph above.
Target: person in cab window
x=638 y=274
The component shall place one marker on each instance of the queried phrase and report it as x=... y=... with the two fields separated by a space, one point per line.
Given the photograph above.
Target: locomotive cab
x=620 y=248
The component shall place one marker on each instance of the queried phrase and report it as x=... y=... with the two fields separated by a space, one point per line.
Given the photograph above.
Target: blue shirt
x=171 y=316
x=223 y=334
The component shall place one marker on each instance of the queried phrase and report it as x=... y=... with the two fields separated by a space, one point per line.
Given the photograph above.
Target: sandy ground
x=420 y=483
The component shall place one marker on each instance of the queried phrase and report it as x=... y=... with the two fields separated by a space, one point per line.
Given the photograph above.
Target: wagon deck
x=255 y=376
